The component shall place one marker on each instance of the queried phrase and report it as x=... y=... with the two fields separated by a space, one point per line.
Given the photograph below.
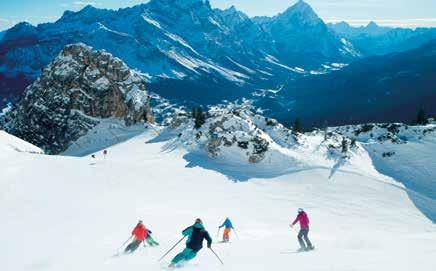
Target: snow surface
x=406 y=153
x=72 y=213
x=275 y=61
x=10 y=144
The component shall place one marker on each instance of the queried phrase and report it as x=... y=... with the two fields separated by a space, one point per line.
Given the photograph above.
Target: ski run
x=73 y=213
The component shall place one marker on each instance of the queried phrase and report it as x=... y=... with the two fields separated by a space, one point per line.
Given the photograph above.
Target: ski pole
x=218 y=233
x=293 y=228
x=237 y=236
x=171 y=249
x=216 y=256
x=125 y=243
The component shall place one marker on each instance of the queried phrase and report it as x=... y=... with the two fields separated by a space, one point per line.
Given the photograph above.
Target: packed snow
x=10 y=144
x=73 y=213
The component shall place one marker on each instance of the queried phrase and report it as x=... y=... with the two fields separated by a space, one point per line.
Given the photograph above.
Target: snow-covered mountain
x=302 y=38
x=193 y=54
x=184 y=45
x=371 y=29
x=389 y=88
x=73 y=93
x=373 y=39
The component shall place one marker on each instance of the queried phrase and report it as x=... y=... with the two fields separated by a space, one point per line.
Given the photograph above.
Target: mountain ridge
x=168 y=42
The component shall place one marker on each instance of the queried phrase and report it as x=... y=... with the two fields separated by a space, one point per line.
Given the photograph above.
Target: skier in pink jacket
x=303 y=219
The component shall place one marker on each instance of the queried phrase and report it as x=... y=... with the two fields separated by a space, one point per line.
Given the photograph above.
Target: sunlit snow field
x=69 y=213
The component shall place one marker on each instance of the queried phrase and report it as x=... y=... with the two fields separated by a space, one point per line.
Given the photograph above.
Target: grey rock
x=73 y=92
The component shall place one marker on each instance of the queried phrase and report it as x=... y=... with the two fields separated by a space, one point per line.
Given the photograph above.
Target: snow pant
x=132 y=246
x=186 y=255
x=226 y=236
x=150 y=241
x=303 y=235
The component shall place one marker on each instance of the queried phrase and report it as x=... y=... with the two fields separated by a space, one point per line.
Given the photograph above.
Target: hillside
x=388 y=88
x=81 y=209
x=372 y=39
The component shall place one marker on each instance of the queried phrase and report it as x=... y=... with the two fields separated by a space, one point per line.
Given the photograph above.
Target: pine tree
x=344 y=145
x=199 y=117
x=326 y=130
x=353 y=143
x=296 y=128
x=420 y=117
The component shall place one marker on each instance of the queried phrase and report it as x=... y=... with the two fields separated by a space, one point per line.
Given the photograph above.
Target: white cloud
x=4 y=21
x=6 y=24
x=85 y=3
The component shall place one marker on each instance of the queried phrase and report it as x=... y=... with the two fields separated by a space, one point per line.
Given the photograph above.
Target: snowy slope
x=10 y=144
x=405 y=153
x=67 y=213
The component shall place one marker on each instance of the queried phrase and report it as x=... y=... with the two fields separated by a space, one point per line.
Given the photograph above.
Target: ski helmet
x=300 y=210
x=198 y=221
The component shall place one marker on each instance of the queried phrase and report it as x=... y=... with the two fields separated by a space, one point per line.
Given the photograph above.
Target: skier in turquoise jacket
x=196 y=235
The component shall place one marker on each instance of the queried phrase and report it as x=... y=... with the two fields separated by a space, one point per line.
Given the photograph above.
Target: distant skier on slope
x=228 y=226
x=196 y=235
x=104 y=154
x=303 y=219
x=139 y=234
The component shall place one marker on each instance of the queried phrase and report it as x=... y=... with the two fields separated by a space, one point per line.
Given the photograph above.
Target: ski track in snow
x=72 y=213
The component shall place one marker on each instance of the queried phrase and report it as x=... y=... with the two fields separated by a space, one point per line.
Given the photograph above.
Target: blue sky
x=407 y=13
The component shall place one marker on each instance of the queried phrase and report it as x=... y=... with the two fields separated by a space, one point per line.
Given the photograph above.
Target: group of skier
x=196 y=234
x=93 y=156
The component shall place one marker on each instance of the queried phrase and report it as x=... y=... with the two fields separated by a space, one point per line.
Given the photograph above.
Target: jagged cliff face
x=73 y=92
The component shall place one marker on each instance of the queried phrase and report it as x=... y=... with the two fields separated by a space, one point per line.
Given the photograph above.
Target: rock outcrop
x=234 y=133
x=73 y=92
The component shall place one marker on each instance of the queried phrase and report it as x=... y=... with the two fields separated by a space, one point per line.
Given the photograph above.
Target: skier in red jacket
x=303 y=219
x=139 y=234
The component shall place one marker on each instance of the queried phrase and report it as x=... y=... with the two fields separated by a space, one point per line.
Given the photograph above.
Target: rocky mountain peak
x=372 y=25
x=19 y=30
x=80 y=87
x=302 y=9
x=88 y=14
x=300 y=17
x=185 y=4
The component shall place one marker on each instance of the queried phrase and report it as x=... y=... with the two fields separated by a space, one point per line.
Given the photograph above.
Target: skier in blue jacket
x=228 y=226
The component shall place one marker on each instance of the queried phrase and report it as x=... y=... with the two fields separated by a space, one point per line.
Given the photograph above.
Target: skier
x=104 y=154
x=139 y=234
x=228 y=226
x=196 y=235
x=303 y=219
